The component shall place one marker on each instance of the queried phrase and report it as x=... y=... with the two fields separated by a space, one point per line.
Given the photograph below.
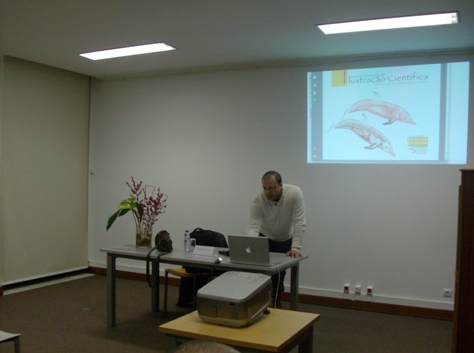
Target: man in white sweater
x=278 y=213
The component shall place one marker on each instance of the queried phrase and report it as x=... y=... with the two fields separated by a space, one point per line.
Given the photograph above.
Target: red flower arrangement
x=145 y=209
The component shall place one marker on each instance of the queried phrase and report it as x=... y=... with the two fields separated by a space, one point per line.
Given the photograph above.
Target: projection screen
x=399 y=114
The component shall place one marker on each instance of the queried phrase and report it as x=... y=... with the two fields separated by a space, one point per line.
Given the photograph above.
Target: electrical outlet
x=447 y=293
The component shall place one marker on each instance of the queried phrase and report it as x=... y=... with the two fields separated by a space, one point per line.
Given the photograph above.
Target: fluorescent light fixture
x=128 y=51
x=389 y=23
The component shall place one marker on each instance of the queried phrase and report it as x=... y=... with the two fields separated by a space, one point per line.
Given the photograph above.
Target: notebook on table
x=249 y=250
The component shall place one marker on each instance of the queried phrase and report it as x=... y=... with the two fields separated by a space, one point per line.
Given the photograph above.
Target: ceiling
x=215 y=34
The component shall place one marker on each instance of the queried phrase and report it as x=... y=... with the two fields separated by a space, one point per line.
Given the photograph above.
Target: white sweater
x=282 y=220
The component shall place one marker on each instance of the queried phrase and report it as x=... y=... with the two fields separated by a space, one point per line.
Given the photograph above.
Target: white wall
x=206 y=140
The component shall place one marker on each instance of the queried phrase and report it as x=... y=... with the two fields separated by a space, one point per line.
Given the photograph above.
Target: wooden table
x=278 y=331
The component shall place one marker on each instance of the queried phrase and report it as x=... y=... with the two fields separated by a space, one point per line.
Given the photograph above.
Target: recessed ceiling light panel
x=390 y=23
x=127 y=51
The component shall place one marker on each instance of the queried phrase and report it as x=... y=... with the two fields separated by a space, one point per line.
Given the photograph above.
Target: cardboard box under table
x=234 y=298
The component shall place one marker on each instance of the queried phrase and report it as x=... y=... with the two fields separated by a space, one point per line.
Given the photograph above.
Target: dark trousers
x=186 y=285
x=278 y=278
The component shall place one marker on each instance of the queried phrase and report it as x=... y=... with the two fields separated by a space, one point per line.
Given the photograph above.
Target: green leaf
x=128 y=204
x=117 y=214
x=112 y=219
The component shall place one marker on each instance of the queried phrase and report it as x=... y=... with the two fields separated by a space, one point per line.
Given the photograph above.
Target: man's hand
x=293 y=253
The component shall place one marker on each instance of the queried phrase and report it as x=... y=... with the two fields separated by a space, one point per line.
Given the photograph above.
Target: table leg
x=306 y=345
x=294 y=287
x=16 y=342
x=111 y=284
x=155 y=289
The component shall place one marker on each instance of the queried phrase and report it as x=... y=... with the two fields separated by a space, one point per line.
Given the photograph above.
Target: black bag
x=163 y=244
x=203 y=237
x=208 y=238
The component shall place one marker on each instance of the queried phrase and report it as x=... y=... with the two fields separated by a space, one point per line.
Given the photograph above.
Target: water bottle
x=186 y=240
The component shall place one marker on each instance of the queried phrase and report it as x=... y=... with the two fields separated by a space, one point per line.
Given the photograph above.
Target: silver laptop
x=249 y=250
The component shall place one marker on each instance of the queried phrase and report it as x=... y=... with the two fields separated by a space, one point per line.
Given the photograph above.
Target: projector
x=234 y=298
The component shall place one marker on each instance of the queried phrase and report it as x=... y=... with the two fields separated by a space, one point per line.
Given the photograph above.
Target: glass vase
x=143 y=236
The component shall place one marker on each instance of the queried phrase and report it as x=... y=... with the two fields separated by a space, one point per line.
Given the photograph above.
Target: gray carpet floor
x=71 y=317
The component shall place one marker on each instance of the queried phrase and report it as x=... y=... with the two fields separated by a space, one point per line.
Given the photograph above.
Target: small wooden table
x=278 y=331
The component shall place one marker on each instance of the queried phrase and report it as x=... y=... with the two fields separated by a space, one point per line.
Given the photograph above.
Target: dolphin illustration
x=385 y=110
x=368 y=133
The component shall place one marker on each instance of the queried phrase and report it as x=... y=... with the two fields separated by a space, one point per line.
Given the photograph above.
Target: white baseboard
x=377 y=298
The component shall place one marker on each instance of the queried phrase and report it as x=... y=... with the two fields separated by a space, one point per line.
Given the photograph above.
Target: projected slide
x=403 y=114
